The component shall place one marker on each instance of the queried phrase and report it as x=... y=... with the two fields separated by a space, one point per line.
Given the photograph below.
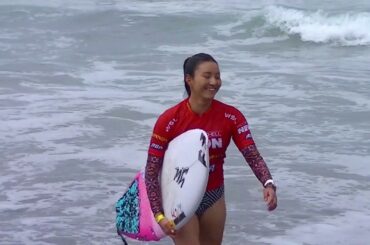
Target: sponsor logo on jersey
x=214 y=156
x=215 y=143
x=160 y=138
x=156 y=146
x=170 y=124
x=212 y=134
x=212 y=168
x=243 y=129
x=230 y=116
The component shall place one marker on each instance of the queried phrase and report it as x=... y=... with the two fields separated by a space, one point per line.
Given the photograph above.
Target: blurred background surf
x=82 y=83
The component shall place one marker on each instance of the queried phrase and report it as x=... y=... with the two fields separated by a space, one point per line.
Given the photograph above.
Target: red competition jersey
x=221 y=122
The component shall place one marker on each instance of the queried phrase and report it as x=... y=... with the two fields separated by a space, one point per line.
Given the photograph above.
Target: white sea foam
x=336 y=230
x=102 y=73
x=347 y=29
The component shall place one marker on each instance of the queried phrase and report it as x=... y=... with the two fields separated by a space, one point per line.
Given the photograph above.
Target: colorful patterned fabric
x=134 y=217
x=127 y=208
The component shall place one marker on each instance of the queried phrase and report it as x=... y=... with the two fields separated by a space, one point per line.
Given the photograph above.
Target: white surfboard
x=184 y=179
x=184 y=175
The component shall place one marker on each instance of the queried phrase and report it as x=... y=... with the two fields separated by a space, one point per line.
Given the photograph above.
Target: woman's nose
x=213 y=81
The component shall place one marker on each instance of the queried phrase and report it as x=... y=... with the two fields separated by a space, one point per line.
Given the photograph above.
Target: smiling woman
x=208 y=76
x=221 y=122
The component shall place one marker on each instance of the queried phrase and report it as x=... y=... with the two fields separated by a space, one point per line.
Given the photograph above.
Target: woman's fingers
x=270 y=198
x=168 y=227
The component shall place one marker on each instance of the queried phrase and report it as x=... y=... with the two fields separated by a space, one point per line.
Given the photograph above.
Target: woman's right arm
x=157 y=147
x=152 y=170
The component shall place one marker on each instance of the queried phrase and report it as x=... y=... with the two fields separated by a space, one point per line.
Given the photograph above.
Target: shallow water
x=82 y=83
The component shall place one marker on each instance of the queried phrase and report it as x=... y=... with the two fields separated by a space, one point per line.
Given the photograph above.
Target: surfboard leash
x=123 y=239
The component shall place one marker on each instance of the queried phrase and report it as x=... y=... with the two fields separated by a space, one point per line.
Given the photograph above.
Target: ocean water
x=82 y=83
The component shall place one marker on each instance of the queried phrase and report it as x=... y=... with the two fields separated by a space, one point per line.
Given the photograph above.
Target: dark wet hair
x=192 y=63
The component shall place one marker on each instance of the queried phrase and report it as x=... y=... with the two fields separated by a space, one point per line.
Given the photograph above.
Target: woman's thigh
x=212 y=223
x=189 y=233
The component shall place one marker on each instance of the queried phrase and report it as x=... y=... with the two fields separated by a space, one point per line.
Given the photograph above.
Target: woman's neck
x=199 y=106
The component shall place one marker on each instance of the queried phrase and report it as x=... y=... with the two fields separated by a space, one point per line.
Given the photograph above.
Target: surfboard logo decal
x=203 y=139
x=201 y=154
x=180 y=175
x=179 y=218
x=202 y=158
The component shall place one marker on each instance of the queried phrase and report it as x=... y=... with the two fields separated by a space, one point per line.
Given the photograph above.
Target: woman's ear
x=188 y=79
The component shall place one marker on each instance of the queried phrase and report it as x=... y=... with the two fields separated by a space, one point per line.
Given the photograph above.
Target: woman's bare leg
x=212 y=223
x=189 y=233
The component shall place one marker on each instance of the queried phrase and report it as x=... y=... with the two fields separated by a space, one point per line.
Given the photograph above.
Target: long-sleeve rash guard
x=221 y=122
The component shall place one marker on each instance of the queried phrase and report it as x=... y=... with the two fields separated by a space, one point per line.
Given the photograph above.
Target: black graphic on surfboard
x=201 y=154
x=180 y=175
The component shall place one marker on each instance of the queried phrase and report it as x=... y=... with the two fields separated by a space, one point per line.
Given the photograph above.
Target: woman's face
x=206 y=81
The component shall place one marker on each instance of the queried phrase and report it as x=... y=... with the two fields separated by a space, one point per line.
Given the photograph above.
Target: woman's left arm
x=261 y=171
x=244 y=141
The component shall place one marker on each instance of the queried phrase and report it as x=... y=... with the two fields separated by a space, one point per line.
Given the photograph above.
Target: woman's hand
x=269 y=195
x=168 y=227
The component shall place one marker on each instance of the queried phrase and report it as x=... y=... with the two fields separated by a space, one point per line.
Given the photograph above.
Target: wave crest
x=349 y=29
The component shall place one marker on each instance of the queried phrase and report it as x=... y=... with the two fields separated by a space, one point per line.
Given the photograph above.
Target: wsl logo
x=180 y=175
